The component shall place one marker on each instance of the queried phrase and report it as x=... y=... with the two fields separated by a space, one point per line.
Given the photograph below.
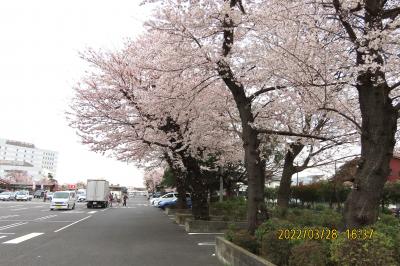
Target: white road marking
x=3 y=236
x=8 y=216
x=20 y=209
x=62 y=228
x=206 y=244
x=92 y=212
x=22 y=238
x=41 y=221
x=205 y=233
x=13 y=206
x=11 y=226
x=46 y=217
x=7 y=233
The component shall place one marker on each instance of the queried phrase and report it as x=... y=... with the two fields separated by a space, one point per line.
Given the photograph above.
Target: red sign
x=71 y=186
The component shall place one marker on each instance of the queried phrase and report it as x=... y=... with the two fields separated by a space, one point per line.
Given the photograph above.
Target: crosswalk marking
x=22 y=238
x=11 y=226
x=92 y=212
x=19 y=209
x=8 y=216
x=46 y=217
x=3 y=236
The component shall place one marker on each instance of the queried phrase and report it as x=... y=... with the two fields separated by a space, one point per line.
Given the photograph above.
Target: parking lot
x=31 y=234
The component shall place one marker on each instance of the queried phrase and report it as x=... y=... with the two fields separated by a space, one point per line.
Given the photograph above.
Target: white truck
x=97 y=191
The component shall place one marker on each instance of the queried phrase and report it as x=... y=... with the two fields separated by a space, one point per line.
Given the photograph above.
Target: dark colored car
x=39 y=194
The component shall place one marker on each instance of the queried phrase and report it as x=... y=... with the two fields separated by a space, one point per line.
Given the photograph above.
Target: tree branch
x=264 y=90
x=391 y=13
x=344 y=115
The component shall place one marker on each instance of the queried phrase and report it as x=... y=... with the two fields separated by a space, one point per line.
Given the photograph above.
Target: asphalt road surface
x=31 y=234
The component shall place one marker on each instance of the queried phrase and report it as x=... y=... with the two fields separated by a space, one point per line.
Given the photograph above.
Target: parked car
x=170 y=195
x=63 y=200
x=170 y=199
x=5 y=195
x=23 y=195
x=39 y=193
x=13 y=195
x=165 y=204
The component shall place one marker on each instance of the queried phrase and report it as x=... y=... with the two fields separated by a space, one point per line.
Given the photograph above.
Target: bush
x=326 y=218
x=275 y=250
x=379 y=250
x=310 y=253
x=231 y=210
x=243 y=239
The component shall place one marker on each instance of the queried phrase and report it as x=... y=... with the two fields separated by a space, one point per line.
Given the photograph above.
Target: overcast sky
x=39 y=64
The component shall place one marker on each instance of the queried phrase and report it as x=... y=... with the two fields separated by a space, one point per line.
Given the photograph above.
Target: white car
x=63 y=200
x=6 y=195
x=82 y=197
x=23 y=195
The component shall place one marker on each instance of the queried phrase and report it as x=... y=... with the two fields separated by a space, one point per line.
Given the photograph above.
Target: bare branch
x=344 y=115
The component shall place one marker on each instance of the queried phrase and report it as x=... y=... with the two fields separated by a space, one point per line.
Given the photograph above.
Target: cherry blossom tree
x=153 y=178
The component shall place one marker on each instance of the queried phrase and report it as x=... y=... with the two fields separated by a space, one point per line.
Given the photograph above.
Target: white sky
x=39 y=64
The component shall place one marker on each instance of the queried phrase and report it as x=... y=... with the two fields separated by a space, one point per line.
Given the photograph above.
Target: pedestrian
x=110 y=199
x=44 y=196
x=125 y=198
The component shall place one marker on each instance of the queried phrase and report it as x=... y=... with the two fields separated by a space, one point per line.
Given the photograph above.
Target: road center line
x=62 y=228
x=22 y=238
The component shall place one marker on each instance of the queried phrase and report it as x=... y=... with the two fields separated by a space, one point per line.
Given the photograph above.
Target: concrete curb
x=199 y=226
x=233 y=255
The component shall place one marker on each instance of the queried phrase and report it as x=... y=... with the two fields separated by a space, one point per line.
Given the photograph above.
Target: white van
x=63 y=200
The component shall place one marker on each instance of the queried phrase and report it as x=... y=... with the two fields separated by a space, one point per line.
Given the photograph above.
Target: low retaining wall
x=181 y=218
x=199 y=226
x=170 y=211
x=233 y=255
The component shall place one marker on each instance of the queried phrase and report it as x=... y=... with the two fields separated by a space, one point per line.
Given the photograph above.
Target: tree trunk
x=289 y=169
x=199 y=184
x=255 y=165
x=181 y=189
x=200 y=206
x=379 y=121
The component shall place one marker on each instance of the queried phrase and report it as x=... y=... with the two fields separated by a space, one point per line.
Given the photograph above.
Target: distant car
x=82 y=197
x=39 y=193
x=165 y=204
x=5 y=196
x=63 y=200
x=13 y=195
x=23 y=195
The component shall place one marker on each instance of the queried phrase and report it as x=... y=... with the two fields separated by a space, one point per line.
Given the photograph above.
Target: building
x=394 y=168
x=24 y=158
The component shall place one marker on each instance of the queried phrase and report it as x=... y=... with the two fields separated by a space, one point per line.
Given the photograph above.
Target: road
x=31 y=234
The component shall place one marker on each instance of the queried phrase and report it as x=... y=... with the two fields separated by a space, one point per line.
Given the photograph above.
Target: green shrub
x=310 y=253
x=275 y=250
x=231 y=210
x=379 y=250
x=243 y=239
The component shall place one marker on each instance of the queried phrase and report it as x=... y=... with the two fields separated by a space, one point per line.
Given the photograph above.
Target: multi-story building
x=25 y=157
